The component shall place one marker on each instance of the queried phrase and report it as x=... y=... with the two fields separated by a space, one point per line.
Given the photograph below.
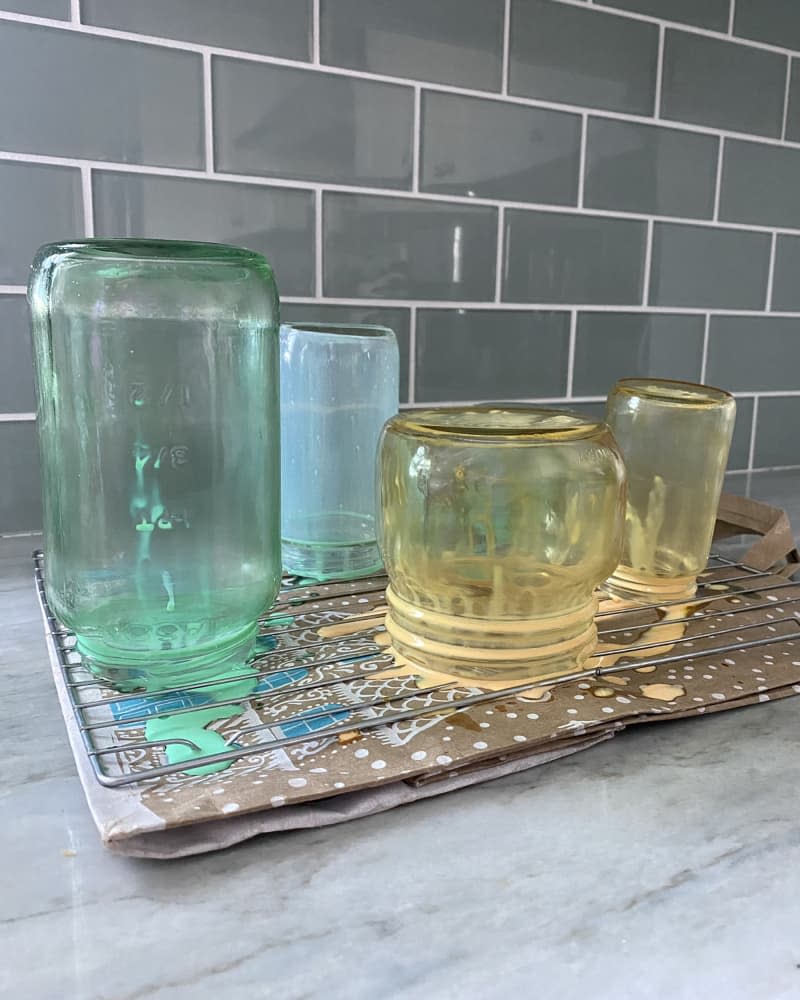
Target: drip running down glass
x=339 y=384
x=497 y=524
x=675 y=438
x=157 y=380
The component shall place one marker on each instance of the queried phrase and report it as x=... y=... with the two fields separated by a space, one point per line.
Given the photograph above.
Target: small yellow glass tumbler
x=496 y=526
x=675 y=438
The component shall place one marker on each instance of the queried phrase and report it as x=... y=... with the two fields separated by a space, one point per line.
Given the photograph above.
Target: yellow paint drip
x=356 y=623
x=670 y=628
x=663 y=692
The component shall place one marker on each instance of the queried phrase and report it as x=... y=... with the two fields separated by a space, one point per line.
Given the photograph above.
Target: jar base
x=491 y=649
x=642 y=588
x=322 y=562
x=156 y=671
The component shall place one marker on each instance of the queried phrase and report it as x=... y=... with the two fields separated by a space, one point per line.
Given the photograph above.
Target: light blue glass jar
x=339 y=385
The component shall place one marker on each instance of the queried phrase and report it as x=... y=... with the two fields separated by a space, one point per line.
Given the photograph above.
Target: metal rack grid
x=87 y=695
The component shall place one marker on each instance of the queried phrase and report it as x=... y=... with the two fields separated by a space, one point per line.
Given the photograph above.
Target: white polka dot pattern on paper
x=480 y=745
x=378 y=765
x=230 y=807
x=444 y=759
x=418 y=755
x=361 y=752
x=297 y=782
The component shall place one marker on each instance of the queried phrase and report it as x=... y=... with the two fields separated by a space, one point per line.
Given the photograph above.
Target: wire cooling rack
x=291 y=629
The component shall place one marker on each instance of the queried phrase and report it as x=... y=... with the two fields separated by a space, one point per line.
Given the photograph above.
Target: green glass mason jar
x=157 y=381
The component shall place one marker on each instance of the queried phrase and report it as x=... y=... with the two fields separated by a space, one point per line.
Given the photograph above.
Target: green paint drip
x=191 y=725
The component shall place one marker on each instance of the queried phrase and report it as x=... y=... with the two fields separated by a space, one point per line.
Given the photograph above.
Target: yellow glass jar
x=496 y=526
x=675 y=438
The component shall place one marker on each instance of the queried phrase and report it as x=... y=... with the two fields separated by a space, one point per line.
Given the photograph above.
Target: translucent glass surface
x=675 y=438
x=157 y=380
x=339 y=384
x=497 y=524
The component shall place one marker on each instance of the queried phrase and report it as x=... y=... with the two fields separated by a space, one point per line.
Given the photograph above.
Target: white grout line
x=786 y=89
x=172 y=43
x=75 y=11
x=13 y=289
x=88 y=203
x=500 y=255
x=761 y=468
x=718 y=181
x=751 y=450
x=488 y=305
x=412 y=354
x=755 y=396
x=315 y=39
x=506 y=64
x=208 y=114
x=659 y=73
x=648 y=259
x=582 y=159
x=88 y=29
x=704 y=357
x=573 y=327
x=301 y=185
x=416 y=139
x=771 y=273
x=318 y=277
x=731 y=17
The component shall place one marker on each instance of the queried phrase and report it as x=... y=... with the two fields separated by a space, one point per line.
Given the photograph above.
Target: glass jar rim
x=521 y=424
x=342 y=329
x=674 y=392
x=153 y=249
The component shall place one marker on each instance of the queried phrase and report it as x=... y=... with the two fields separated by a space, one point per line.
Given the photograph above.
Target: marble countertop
x=663 y=864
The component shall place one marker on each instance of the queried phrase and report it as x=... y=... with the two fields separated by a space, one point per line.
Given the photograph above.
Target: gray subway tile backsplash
x=776 y=432
x=57 y=9
x=397 y=319
x=488 y=149
x=555 y=257
x=610 y=346
x=16 y=370
x=465 y=354
x=277 y=222
x=400 y=248
x=469 y=201
x=69 y=94
x=39 y=203
x=20 y=485
x=448 y=41
x=760 y=184
x=793 y=106
x=726 y=85
x=711 y=14
x=333 y=128
x=740 y=443
x=649 y=169
x=786 y=283
x=754 y=353
x=708 y=268
x=269 y=27
x=576 y=55
x=776 y=22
